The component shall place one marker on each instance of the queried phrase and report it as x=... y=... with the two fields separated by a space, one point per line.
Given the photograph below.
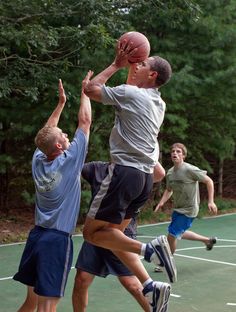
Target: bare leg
x=31 y=301
x=134 y=287
x=80 y=292
x=110 y=236
x=47 y=304
x=134 y=264
x=195 y=237
x=172 y=242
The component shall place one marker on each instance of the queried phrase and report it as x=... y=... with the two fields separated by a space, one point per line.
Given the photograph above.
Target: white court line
x=6 y=278
x=203 y=247
x=10 y=277
x=231 y=304
x=207 y=260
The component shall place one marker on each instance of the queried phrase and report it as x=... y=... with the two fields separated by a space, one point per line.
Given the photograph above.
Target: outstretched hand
x=124 y=50
x=86 y=79
x=62 y=95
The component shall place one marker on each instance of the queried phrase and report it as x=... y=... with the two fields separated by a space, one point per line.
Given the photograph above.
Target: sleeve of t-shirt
x=78 y=149
x=168 y=180
x=113 y=96
x=197 y=174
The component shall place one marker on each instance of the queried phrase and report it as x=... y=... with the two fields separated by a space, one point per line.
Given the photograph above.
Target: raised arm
x=210 y=189
x=94 y=87
x=85 y=114
x=55 y=116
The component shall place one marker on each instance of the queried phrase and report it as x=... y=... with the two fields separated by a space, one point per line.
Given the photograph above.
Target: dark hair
x=162 y=67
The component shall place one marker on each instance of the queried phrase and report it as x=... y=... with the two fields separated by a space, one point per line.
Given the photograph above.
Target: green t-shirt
x=183 y=181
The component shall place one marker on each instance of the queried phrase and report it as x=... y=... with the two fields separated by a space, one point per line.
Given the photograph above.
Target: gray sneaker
x=158 y=252
x=212 y=242
x=157 y=294
x=158 y=269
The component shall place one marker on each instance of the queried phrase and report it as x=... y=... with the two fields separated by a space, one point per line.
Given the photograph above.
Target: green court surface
x=205 y=278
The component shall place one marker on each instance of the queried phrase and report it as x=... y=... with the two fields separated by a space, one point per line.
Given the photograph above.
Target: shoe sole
x=169 y=266
x=163 y=297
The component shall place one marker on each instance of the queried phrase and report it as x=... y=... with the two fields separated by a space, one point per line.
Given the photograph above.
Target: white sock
x=143 y=248
x=148 y=281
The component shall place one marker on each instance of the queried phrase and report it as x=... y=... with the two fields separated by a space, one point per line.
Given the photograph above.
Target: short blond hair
x=45 y=139
x=182 y=147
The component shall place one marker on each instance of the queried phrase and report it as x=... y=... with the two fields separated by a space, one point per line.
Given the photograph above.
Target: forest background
x=44 y=40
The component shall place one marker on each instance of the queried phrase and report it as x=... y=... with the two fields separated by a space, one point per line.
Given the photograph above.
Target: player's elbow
x=159 y=174
x=93 y=91
x=85 y=120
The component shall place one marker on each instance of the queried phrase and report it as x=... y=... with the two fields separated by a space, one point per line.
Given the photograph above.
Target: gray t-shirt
x=139 y=115
x=183 y=181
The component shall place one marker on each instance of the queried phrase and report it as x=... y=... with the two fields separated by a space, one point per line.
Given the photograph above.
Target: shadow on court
x=205 y=278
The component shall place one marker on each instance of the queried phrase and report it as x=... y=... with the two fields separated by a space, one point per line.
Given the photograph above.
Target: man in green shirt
x=182 y=182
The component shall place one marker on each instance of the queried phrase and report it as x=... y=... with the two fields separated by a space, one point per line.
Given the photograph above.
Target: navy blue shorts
x=100 y=262
x=123 y=191
x=46 y=261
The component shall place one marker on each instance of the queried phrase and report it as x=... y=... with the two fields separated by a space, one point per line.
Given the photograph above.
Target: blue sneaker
x=158 y=252
x=157 y=294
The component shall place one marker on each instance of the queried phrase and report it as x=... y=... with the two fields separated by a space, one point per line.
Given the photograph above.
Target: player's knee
x=82 y=280
x=88 y=235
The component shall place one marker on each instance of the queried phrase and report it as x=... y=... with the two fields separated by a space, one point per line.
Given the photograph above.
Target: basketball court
x=205 y=278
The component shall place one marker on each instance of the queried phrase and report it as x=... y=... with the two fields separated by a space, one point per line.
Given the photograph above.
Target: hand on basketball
x=62 y=95
x=124 y=51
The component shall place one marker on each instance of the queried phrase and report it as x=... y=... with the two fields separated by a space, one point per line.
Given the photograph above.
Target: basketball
x=139 y=41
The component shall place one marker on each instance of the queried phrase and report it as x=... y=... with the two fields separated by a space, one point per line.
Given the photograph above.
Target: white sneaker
x=157 y=294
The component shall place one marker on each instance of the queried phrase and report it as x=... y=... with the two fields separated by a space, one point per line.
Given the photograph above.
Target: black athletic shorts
x=123 y=191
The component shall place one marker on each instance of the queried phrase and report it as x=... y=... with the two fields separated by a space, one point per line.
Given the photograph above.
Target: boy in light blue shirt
x=56 y=170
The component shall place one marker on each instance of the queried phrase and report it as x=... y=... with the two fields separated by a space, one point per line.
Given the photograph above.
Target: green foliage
x=28 y=198
x=223 y=205
x=44 y=40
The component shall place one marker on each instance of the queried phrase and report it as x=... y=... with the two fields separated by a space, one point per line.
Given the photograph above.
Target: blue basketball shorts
x=46 y=261
x=122 y=193
x=100 y=262
x=179 y=224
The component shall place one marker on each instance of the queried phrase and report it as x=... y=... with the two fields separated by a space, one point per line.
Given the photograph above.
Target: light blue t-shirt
x=57 y=184
x=139 y=115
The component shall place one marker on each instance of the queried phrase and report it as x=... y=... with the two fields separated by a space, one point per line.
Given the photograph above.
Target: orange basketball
x=138 y=41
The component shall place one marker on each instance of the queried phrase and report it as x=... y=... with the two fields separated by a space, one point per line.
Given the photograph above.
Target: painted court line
x=231 y=304
x=207 y=260
x=203 y=247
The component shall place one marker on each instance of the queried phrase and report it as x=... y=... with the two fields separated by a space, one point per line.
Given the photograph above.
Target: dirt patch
x=15 y=225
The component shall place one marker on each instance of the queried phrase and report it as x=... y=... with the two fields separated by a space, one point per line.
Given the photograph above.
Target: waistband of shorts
x=38 y=227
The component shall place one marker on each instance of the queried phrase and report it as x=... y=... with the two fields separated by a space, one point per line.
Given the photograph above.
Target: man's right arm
x=93 y=89
x=85 y=112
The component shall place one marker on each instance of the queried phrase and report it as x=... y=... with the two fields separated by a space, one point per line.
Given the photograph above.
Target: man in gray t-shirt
x=139 y=112
x=182 y=182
